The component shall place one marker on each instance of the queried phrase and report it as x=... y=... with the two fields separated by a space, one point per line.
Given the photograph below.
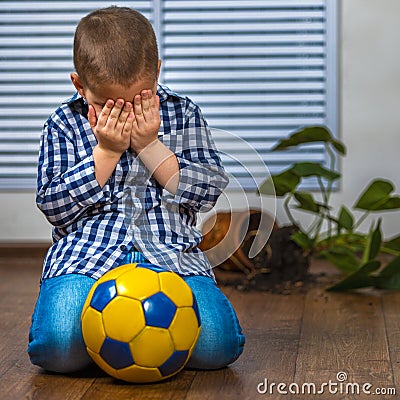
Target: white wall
x=369 y=88
x=20 y=220
x=370 y=98
x=369 y=103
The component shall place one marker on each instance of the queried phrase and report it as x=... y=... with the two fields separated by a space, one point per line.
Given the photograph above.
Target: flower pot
x=232 y=239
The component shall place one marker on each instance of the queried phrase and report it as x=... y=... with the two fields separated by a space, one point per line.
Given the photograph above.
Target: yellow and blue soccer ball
x=140 y=323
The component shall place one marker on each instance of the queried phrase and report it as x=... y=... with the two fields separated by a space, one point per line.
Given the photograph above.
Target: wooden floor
x=301 y=338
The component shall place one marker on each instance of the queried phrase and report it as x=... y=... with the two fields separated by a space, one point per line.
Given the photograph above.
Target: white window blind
x=35 y=63
x=257 y=68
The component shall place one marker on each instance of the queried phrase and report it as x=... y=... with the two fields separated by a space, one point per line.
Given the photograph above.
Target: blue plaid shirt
x=94 y=227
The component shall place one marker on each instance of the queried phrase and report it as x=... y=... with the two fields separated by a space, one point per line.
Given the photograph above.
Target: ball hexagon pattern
x=159 y=310
x=117 y=318
x=138 y=283
x=162 y=347
x=103 y=294
x=140 y=323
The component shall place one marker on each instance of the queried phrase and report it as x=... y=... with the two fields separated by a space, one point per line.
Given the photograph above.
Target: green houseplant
x=337 y=237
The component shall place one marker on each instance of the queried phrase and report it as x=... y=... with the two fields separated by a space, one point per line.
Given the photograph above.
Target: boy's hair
x=115 y=45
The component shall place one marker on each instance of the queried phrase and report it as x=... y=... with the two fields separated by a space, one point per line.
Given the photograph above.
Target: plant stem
x=313 y=226
x=287 y=209
x=326 y=211
x=361 y=220
x=323 y=191
x=328 y=190
x=332 y=164
x=318 y=229
x=389 y=251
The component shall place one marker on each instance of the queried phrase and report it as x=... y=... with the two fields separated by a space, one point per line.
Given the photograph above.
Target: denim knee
x=221 y=340
x=55 y=337
x=58 y=352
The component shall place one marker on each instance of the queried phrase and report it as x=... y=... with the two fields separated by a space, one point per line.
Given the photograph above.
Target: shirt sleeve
x=66 y=186
x=202 y=176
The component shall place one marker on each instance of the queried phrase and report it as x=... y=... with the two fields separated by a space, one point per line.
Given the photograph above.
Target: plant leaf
x=285 y=182
x=391 y=204
x=339 y=147
x=393 y=244
x=267 y=187
x=307 y=169
x=308 y=134
x=343 y=258
x=352 y=241
x=346 y=219
x=377 y=197
x=360 y=278
x=389 y=277
x=393 y=268
x=307 y=202
x=305 y=242
x=311 y=134
x=373 y=244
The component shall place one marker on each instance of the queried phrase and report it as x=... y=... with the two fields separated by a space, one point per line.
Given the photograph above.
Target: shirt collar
x=163 y=93
x=74 y=98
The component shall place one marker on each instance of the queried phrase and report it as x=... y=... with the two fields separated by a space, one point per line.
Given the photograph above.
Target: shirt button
x=123 y=247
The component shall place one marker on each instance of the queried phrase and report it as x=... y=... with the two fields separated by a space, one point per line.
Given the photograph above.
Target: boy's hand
x=146 y=107
x=113 y=126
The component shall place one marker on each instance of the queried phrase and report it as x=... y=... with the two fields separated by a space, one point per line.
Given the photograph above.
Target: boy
x=124 y=167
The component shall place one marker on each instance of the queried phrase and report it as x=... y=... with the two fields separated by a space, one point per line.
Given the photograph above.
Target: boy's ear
x=159 y=68
x=76 y=81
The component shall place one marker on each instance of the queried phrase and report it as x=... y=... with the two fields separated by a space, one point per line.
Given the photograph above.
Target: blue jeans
x=55 y=337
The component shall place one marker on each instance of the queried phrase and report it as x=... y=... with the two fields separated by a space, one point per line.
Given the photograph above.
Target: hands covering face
x=122 y=125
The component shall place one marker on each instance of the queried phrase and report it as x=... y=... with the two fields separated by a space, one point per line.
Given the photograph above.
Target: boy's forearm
x=66 y=189
x=104 y=164
x=162 y=164
x=158 y=159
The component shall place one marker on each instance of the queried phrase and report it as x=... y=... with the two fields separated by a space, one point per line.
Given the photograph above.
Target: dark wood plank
x=297 y=338
x=391 y=312
x=343 y=332
x=106 y=388
x=23 y=249
x=272 y=325
x=19 y=286
x=18 y=289
x=22 y=382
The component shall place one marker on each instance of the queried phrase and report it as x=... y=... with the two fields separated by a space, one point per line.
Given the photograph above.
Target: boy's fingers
x=124 y=115
x=105 y=112
x=137 y=108
x=115 y=113
x=153 y=104
x=92 y=117
x=146 y=102
x=156 y=106
x=129 y=124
